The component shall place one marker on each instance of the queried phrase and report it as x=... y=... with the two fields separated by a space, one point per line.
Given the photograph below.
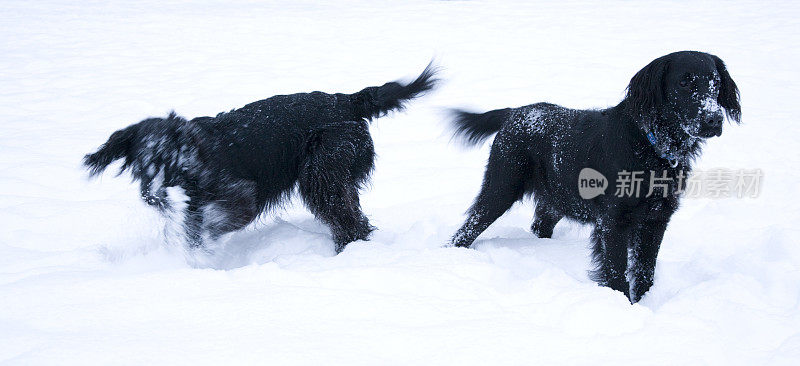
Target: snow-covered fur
x=540 y=149
x=215 y=175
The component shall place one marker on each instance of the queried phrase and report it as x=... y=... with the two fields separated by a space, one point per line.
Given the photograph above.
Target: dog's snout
x=715 y=121
x=712 y=126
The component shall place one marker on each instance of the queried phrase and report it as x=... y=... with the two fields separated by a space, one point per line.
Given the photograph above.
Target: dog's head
x=688 y=91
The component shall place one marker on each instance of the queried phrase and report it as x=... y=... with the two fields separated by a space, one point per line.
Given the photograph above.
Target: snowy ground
x=85 y=278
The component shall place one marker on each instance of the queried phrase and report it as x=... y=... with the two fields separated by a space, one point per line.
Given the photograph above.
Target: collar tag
x=651 y=137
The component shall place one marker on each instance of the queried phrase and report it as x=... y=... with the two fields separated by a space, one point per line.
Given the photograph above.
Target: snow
x=86 y=279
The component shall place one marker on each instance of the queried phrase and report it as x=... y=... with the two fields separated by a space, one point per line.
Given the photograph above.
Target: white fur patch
x=174 y=230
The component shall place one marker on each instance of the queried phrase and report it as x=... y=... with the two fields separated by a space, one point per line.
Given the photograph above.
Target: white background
x=85 y=276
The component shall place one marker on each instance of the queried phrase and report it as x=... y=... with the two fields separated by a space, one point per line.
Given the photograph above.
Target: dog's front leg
x=644 y=252
x=610 y=240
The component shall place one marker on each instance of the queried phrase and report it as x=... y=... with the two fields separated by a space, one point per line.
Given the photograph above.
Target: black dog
x=216 y=175
x=672 y=105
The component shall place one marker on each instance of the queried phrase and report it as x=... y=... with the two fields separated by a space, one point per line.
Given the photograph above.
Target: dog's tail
x=117 y=147
x=376 y=101
x=474 y=128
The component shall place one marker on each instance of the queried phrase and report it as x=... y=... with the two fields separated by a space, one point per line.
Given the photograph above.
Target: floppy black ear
x=645 y=93
x=728 y=92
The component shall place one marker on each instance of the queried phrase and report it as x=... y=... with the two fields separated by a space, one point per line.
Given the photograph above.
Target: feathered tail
x=474 y=128
x=376 y=101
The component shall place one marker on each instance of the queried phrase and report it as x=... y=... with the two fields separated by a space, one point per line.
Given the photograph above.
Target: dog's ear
x=645 y=93
x=728 y=92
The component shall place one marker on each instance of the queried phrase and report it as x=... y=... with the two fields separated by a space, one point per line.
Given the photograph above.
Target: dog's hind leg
x=545 y=219
x=339 y=160
x=503 y=184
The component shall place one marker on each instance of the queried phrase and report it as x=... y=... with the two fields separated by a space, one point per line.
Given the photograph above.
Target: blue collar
x=673 y=161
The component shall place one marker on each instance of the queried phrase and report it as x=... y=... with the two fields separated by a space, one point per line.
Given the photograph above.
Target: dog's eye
x=684 y=83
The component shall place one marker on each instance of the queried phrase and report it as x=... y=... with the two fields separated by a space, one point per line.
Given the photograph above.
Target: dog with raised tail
x=215 y=175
